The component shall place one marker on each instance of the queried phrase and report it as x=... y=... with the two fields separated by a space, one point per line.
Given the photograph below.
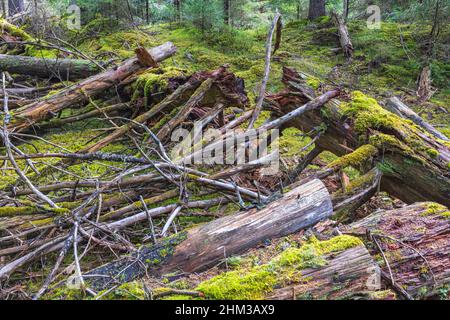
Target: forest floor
x=386 y=63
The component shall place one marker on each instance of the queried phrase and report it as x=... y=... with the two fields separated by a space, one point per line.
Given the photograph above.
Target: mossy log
x=415 y=242
x=78 y=93
x=415 y=164
x=395 y=105
x=349 y=274
x=204 y=246
x=338 y=268
x=65 y=69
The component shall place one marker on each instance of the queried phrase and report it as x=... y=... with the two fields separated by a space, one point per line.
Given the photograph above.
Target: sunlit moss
x=436 y=209
x=356 y=159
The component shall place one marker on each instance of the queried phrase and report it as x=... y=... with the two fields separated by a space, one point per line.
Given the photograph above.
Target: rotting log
x=350 y=274
x=414 y=163
x=415 y=241
x=64 y=69
x=395 y=105
x=201 y=247
x=78 y=93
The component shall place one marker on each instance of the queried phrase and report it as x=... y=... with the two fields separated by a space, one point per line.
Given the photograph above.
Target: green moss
x=256 y=282
x=368 y=114
x=239 y=285
x=292 y=141
x=433 y=153
x=387 y=141
x=14 y=31
x=127 y=291
x=370 y=118
x=313 y=82
x=436 y=209
x=356 y=159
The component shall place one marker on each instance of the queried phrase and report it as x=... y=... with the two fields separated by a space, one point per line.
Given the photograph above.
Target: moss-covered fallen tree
x=415 y=164
x=64 y=69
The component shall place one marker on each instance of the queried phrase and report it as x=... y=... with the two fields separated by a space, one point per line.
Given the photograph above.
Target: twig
x=262 y=90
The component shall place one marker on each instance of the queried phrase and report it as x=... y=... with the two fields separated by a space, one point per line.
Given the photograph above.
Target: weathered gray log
x=344 y=36
x=80 y=92
x=407 y=155
x=395 y=105
x=65 y=69
x=204 y=246
x=351 y=274
x=416 y=243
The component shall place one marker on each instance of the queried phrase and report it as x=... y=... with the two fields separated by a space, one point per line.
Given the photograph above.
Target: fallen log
x=415 y=243
x=395 y=105
x=64 y=69
x=338 y=268
x=407 y=155
x=202 y=247
x=27 y=116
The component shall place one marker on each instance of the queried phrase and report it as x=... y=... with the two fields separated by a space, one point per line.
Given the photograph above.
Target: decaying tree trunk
x=406 y=155
x=424 y=90
x=395 y=105
x=65 y=69
x=201 y=247
x=350 y=274
x=414 y=241
x=344 y=36
x=80 y=92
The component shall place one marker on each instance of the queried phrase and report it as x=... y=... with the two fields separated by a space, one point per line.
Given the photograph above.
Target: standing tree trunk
x=346 y=10
x=316 y=9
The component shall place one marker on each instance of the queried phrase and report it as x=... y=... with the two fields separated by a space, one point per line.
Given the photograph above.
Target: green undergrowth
x=258 y=281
